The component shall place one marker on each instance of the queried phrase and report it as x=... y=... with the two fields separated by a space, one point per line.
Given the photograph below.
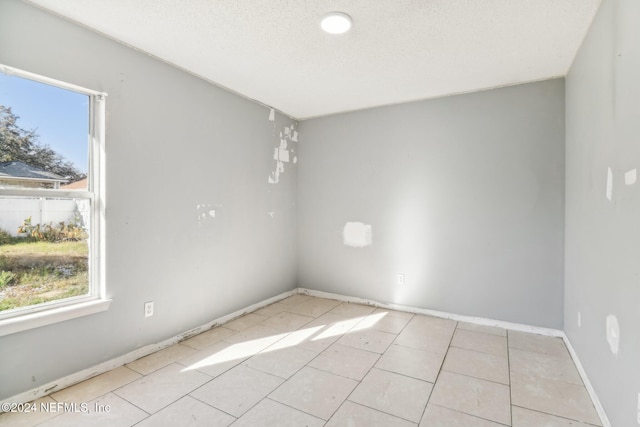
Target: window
x=51 y=200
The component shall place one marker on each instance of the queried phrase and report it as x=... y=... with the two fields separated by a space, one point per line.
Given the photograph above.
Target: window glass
x=45 y=203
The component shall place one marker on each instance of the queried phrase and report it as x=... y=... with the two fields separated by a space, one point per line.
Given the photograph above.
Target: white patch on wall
x=630 y=177
x=206 y=212
x=272 y=214
x=609 y=191
x=272 y=115
x=613 y=333
x=283 y=152
x=357 y=235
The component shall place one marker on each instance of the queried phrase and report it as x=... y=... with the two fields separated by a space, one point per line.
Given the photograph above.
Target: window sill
x=49 y=317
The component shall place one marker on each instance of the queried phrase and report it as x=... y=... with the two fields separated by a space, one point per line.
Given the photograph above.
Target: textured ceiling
x=274 y=51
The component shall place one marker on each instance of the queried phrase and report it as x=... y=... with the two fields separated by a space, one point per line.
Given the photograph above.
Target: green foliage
x=21 y=145
x=7 y=278
x=53 y=233
x=5 y=237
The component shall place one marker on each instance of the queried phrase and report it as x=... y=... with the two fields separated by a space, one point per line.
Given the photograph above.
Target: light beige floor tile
x=208 y=338
x=491 y=330
x=559 y=368
x=272 y=309
x=318 y=344
x=32 y=416
x=537 y=343
x=97 y=386
x=286 y=321
x=393 y=394
x=281 y=362
x=527 y=418
x=477 y=341
x=159 y=359
x=394 y=313
x=315 y=392
x=477 y=364
x=120 y=413
x=258 y=335
x=219 y=357
x=237 y=390
x=295 y=299
x=391 y=324
x=345 y=361
x=314 y=307
x=368 y=339
x=439 y=416
x=326 y=329
x=351 y=414
x=188 y=412
x=244 y=322
x=166 y=385
x=427 y=333
x=473 y=396
x=553 y=397
x=272 y=413
x=420 y=364
x=352 y=310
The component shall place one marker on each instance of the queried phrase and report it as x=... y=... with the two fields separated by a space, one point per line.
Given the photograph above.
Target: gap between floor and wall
x=88 y=373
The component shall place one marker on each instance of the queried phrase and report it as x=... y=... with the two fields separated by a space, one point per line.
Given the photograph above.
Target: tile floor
x=308 y=361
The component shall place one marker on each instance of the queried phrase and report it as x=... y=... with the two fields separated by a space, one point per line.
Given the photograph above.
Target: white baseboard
x=583 y=374
x=85 y=374
x=144 y=351
x=460 y=318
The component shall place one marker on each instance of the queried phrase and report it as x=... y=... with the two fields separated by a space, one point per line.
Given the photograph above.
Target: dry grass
x=42 y=272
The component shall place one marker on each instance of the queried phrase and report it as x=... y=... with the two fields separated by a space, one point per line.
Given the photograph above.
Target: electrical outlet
x=400 y=278
x=148 y=309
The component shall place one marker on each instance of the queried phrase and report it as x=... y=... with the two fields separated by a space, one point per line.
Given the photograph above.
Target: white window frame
x=23 y=318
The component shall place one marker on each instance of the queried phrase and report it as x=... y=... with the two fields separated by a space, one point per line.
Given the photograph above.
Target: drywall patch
x=357 y=235
x=609 y=191
x=283 y=152
x=630 y=177
x=613 y=333
x=206 y=212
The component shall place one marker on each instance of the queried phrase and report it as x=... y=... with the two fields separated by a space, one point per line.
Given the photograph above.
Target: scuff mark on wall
x=613 y=333
x=357 y=234
x=609 y=191
x=283 y=152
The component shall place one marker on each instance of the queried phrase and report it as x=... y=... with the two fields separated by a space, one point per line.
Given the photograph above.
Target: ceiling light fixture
x=336 y=23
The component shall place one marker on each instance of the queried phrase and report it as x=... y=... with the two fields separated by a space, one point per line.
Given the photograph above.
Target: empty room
x=320 y=213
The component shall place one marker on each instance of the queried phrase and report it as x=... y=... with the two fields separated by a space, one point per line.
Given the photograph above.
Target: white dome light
x=336 y=23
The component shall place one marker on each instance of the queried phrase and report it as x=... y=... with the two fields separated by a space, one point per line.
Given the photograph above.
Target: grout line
x=439 y=371
x=555 y=415
x=471 y=415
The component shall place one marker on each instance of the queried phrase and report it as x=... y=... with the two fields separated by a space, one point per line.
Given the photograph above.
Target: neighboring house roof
x=79 y=184
x=20 y=170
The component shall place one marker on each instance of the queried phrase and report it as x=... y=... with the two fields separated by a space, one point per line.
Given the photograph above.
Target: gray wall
x=464 y=195
x=602 y=273
x=173 y=142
